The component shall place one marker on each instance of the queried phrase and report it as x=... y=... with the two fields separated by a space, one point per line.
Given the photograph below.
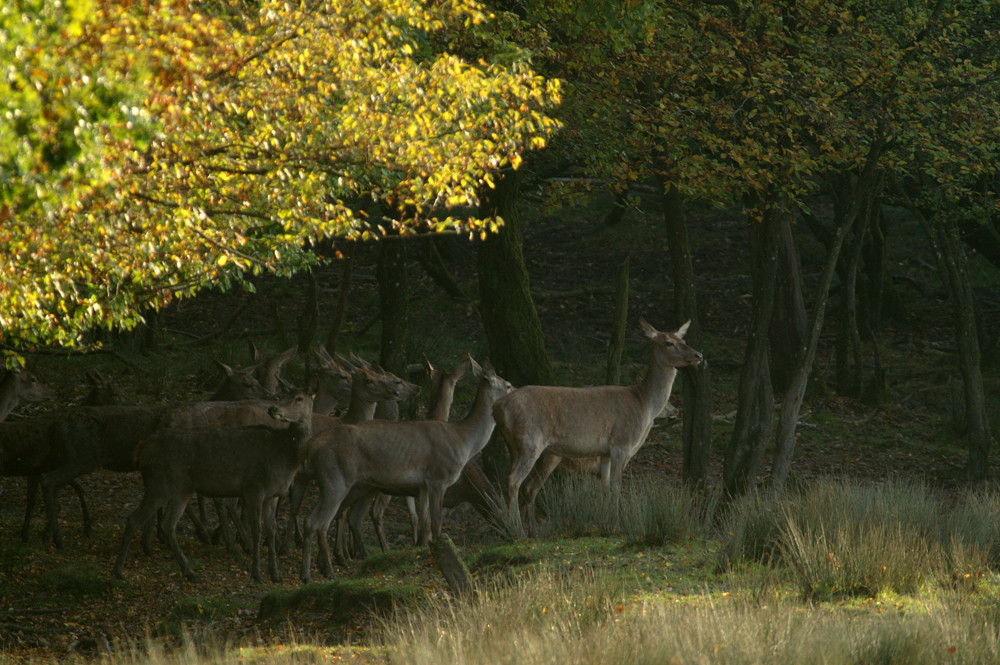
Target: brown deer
x=422 y=457
x=609 y=422
x=256 y=464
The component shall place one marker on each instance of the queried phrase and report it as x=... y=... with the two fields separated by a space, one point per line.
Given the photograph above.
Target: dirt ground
x=54 y=602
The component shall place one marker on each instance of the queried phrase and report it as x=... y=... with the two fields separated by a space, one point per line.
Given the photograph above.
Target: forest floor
x=54 y=602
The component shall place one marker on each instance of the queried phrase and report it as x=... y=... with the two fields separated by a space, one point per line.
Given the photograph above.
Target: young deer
x=609 y=422
x=421 y=457
x=256 y=464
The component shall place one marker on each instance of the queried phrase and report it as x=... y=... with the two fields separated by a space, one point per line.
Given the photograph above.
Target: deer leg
x=546 y=464
x=520 y=469
x=143 y=515
x=435 y=500
x=270 y=537
x=29 y=508
x=296 y=493
x=175 y=508
x=352 y=518
x=253 y=506
x=377 y=513
x=319 y=521
x=423 y=509
x=411 y=508
x=84 y=510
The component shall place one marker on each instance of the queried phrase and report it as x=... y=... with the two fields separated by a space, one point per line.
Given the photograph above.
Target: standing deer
x=472 y=487
x=255 y=464
x=422 y=457
x=609 y=422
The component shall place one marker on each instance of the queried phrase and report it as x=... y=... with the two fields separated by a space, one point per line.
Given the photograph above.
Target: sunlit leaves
x=190 y=147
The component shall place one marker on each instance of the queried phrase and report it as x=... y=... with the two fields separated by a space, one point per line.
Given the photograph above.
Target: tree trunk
x=792 y=404
x=696 y=383
x=392 y=291
x=342 y=293
x=513 y=329
x=755 y=399
x=788 y=323
x=618 y=325
x=309 y=318
x=953 y=265
x=510 y=320
x=869 y=181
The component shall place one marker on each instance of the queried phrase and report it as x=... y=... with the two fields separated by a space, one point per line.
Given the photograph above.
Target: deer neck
x=301 y=432
x=475 y=429
x=443 y=393
x=655 y=388
x=360 y=409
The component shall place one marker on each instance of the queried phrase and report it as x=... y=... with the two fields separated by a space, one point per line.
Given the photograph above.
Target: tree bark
x=869 y=181
x=392 y=288
x=755 y=399
x=788 y=324
x=513 y=329
x=945 y=239
x=696 y=382
x=618 y=325
x=342 y=293
x=510 y=320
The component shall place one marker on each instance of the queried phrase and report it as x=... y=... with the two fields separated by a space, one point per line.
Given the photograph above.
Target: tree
x=210 y=145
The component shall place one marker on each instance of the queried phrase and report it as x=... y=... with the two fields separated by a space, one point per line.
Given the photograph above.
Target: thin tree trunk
x=392 y=283
x=618 y=325
x=953 y=266
x=309 y=319
x=696 y=381
x=755 y=400
x=788 y=323
x=342 y=293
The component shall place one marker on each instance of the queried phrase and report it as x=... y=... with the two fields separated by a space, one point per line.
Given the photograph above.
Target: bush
x=841 y=538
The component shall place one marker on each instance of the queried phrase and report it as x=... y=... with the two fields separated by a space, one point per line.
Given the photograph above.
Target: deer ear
x=254 y=351
x=226 y=369
x=477 y=371
x=680 y=332
x=288 y=355
x=647 y=330
x=428 y=367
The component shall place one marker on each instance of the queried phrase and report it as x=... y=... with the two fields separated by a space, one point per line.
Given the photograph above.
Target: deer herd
x=245 y=450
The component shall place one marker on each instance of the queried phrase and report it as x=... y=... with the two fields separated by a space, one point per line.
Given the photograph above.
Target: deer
x=113 y=432
x=240 y=384
x=472 y=487
x=267 y=369
x=256 y=464
x=548 y=463
x=17 y=385
x=32 y=447
x=422 y=457
x=609 y=422
x=368 y=389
